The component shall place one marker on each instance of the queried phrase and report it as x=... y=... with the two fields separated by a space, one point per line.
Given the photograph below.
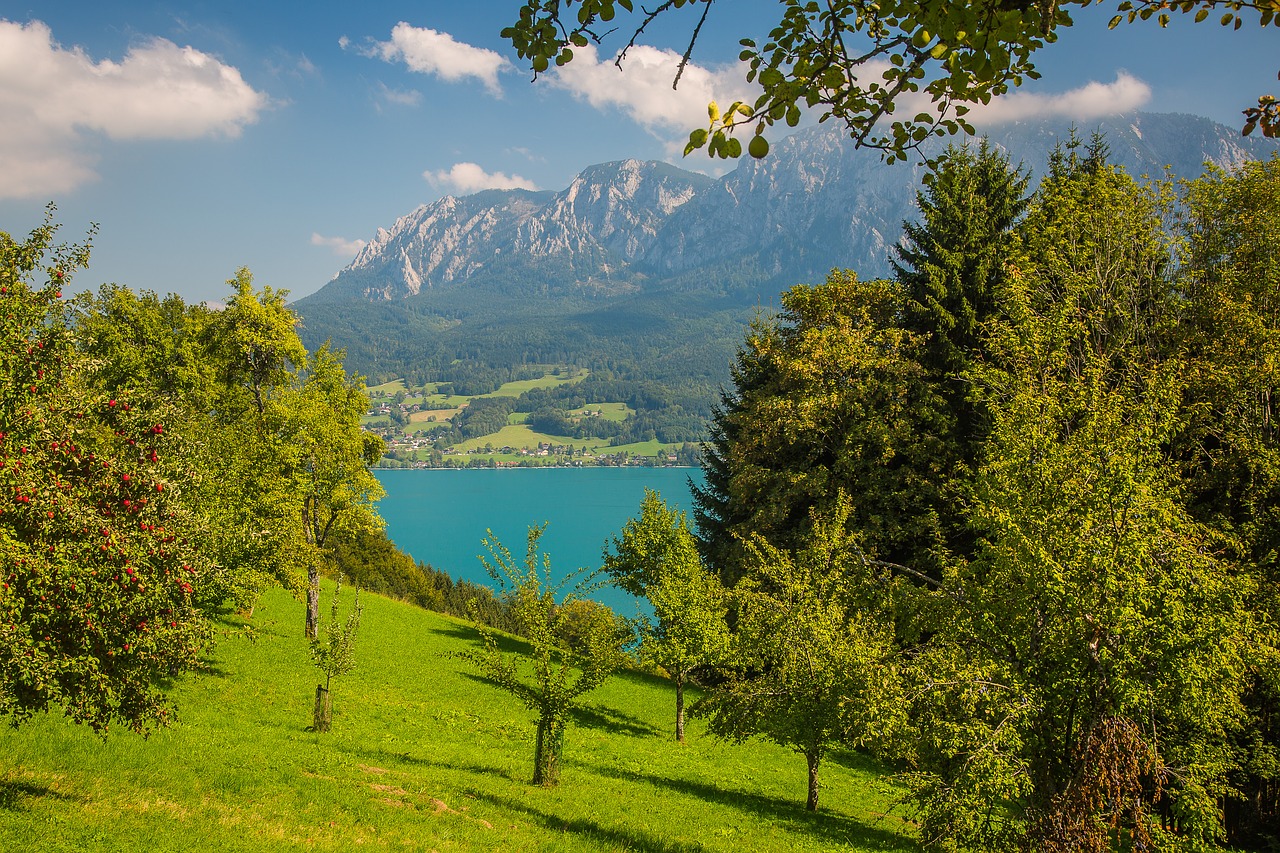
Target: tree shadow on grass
x=605 y=836
x=15 y=794
x=824 y=825
x=506 y=642
x=384 y=755
x=613 y=720
x=592 y=716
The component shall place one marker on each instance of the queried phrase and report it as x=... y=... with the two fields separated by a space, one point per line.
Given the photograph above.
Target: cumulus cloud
x=466 y=178
x=340 y=245
x=428 y=51
x=54 y=98
x=642 y=87
x=1091 y=101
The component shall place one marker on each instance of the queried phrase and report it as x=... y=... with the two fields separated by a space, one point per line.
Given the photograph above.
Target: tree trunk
x=680 y=708
x=546 y=756
x=812 y=758
x=313 y=600
x=322 y=717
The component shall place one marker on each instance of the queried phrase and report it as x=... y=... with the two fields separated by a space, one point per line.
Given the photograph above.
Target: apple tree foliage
x=163 y=352
x=814 y=658
x=859 y=62
x=656 y=557
x=268 y=423
x=549 y=675
x=102 y=567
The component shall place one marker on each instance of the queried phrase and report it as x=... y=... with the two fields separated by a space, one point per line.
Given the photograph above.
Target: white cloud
x=428 y=51
x=1093 y=100
x=466 y=178
x=51 y=96
x=340 y=245
x=642 y=87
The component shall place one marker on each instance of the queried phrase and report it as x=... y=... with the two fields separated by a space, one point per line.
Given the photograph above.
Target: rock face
x=586 y=236
x=814 y=203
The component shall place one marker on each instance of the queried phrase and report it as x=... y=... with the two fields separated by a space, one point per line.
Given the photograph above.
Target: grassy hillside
x=423 y=756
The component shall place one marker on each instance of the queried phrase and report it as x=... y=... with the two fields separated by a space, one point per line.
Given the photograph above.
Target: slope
x=423 y=756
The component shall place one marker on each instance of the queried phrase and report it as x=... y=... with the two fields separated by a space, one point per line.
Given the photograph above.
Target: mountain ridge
x=636 y=253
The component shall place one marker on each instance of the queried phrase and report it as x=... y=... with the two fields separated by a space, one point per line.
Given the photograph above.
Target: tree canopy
x=858 y=62
x=657 y=557
x=103 y=571
x=1046 y=456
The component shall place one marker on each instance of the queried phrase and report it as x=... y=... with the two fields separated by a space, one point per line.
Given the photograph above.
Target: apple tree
x=551 y=677
x=815 y=663
x=657 y=557
x=100 y=558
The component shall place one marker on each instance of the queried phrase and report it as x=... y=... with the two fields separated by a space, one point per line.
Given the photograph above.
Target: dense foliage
x=164 y=462
x=102 y=556
x=1049 y=448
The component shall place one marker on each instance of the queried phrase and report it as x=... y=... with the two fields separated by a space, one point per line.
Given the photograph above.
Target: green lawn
x=388 y=388
x=515 y=389
x=519 y=435
x=608 y=411
x=423 y=756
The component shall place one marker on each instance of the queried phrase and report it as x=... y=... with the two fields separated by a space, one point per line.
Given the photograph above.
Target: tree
x=163 y=352
x=258 y=342
x=950 y=263
x=856 y=61
x=333 y=651
x=950 y=266
x=551 y=677
x=101 y=566
x=815 y=662
x=331 y=455
x=657 y=558
x=1085 y=672
x=1229 y=331
x=829 y=395
x=255 y=351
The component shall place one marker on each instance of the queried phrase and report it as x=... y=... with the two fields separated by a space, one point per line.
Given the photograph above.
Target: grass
x=423 y=756
x=387 y=388
x=515 y=389
x=520 y=435
x=608 y=411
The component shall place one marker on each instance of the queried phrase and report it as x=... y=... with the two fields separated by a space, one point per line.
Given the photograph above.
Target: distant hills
x=646 y=269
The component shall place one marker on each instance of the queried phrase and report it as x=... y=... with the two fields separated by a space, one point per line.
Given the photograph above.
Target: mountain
x=647 y=267
x=585 y=237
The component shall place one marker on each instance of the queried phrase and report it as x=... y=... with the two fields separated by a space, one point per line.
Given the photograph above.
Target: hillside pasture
x=423 y=756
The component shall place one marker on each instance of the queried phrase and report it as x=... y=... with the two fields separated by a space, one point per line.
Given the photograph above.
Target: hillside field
x=423 y=756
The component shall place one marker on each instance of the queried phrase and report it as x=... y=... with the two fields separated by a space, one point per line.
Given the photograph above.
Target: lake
x=439 y=516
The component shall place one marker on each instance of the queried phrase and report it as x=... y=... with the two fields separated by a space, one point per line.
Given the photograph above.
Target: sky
x=201 y=137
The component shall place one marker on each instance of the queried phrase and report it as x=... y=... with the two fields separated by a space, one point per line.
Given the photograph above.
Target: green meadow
x=423 y=755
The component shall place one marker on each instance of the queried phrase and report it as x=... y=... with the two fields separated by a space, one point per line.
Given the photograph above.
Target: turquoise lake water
x=440 y=516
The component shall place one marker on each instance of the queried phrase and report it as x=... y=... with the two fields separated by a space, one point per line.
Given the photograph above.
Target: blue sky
x=279 y=135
